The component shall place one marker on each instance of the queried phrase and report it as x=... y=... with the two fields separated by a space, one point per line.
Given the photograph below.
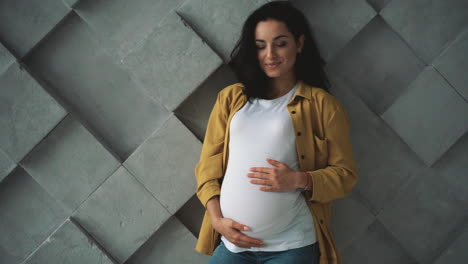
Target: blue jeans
x=304 y=255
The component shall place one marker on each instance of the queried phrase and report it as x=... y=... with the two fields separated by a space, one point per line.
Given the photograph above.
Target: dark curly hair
x=309 y=66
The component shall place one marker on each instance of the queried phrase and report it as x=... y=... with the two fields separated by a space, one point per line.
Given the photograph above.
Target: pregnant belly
x=266 y=213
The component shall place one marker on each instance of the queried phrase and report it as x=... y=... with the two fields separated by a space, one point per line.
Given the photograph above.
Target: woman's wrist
x=214 y=210
x=304 y=182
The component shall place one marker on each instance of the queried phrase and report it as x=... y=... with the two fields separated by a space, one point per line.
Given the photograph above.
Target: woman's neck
x=280 y=87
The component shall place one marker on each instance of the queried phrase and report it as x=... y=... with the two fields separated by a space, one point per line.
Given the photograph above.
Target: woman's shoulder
x=232 y=91
x=324 y=99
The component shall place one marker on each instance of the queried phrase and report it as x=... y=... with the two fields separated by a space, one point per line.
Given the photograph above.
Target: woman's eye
x=279 y=45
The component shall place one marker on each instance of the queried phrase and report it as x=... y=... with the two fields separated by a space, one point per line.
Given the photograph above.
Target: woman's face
x=276 y=46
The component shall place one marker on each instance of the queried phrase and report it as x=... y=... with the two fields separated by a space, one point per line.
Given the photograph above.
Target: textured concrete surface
x=69 y=244
x=168 y=77
x=208 y=17
x=28 y=113
x=427 y=26
x=164 y=164
x=6 y=59
x=99 y=91
x=28 y=216
x=121 y=214
x=70 y=163
x=23 y=23
x=379 y=75
x=171 y=244
x=430 y=104
x=6 y=165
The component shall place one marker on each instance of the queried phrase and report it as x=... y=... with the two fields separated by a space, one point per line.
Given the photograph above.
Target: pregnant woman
x=276 y=151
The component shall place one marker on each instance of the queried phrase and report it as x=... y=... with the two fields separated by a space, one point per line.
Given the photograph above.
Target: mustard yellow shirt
x=323 y=146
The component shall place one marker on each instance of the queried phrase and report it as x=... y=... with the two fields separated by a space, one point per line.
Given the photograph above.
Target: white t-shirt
x=259 y=130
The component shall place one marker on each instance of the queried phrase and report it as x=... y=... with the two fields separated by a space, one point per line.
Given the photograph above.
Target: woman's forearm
x=214 y=209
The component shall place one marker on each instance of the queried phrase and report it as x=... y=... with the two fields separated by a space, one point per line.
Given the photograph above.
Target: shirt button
x=298 y=133
x=293 y=111
x=302 y=156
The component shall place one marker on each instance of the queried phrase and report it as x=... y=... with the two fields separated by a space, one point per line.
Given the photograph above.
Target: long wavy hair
x=309 y=65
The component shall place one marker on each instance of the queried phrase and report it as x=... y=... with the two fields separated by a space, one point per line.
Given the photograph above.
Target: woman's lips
x=272 y=66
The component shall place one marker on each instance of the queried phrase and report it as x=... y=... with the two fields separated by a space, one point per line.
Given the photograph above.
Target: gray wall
x=104 y=104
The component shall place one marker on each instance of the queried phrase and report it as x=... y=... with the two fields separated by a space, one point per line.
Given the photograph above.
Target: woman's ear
x=300 y=44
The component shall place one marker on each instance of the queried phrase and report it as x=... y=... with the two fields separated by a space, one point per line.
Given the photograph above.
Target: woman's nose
x=271 y=53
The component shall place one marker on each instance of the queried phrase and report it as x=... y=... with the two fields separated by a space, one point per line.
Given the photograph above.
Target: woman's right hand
x=230 y=230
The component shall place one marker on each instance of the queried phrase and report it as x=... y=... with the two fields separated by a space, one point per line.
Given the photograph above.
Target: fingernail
x=246 y=228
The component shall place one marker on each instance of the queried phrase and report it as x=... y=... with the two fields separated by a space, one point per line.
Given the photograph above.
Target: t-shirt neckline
x=283 y=96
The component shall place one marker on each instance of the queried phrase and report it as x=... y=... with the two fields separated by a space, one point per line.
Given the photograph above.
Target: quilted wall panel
x=104 y=105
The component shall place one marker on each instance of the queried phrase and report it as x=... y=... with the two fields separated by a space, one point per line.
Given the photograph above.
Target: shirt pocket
x=321 y=152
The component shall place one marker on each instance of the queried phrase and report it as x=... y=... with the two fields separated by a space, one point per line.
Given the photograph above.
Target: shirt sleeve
x=209 y=168
x=340 y=175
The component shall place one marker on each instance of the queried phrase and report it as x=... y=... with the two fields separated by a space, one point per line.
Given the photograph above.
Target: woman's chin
x=273 y=74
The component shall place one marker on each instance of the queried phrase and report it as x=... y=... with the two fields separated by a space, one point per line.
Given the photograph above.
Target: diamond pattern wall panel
x=121 y=26
x=121 y=214
x=334 y=23
x=104 y=106
x=69 y=245
x=358 y=218
x=385 y=247
x=430 y=104
x=456 y=251
x=427 y=25
x=167 y=77
x=195 y=110
x=6 y=59
x=29 y=215
x=79 y=71
x=377 y=64
x=378 y=4
x=452 y=63
x=173 y=243
x=209 y=18
x=6 y=165
x=164 y=164
x=27 y=112
x=377 y=144
x=70 y=163
x=23 y=23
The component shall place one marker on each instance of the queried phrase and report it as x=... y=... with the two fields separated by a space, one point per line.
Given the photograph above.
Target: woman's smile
x=273 y=66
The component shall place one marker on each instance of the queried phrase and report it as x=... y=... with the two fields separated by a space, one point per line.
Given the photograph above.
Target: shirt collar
x=303 y=90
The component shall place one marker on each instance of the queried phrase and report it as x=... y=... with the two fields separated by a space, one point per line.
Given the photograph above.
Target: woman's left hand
x=279 y=179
